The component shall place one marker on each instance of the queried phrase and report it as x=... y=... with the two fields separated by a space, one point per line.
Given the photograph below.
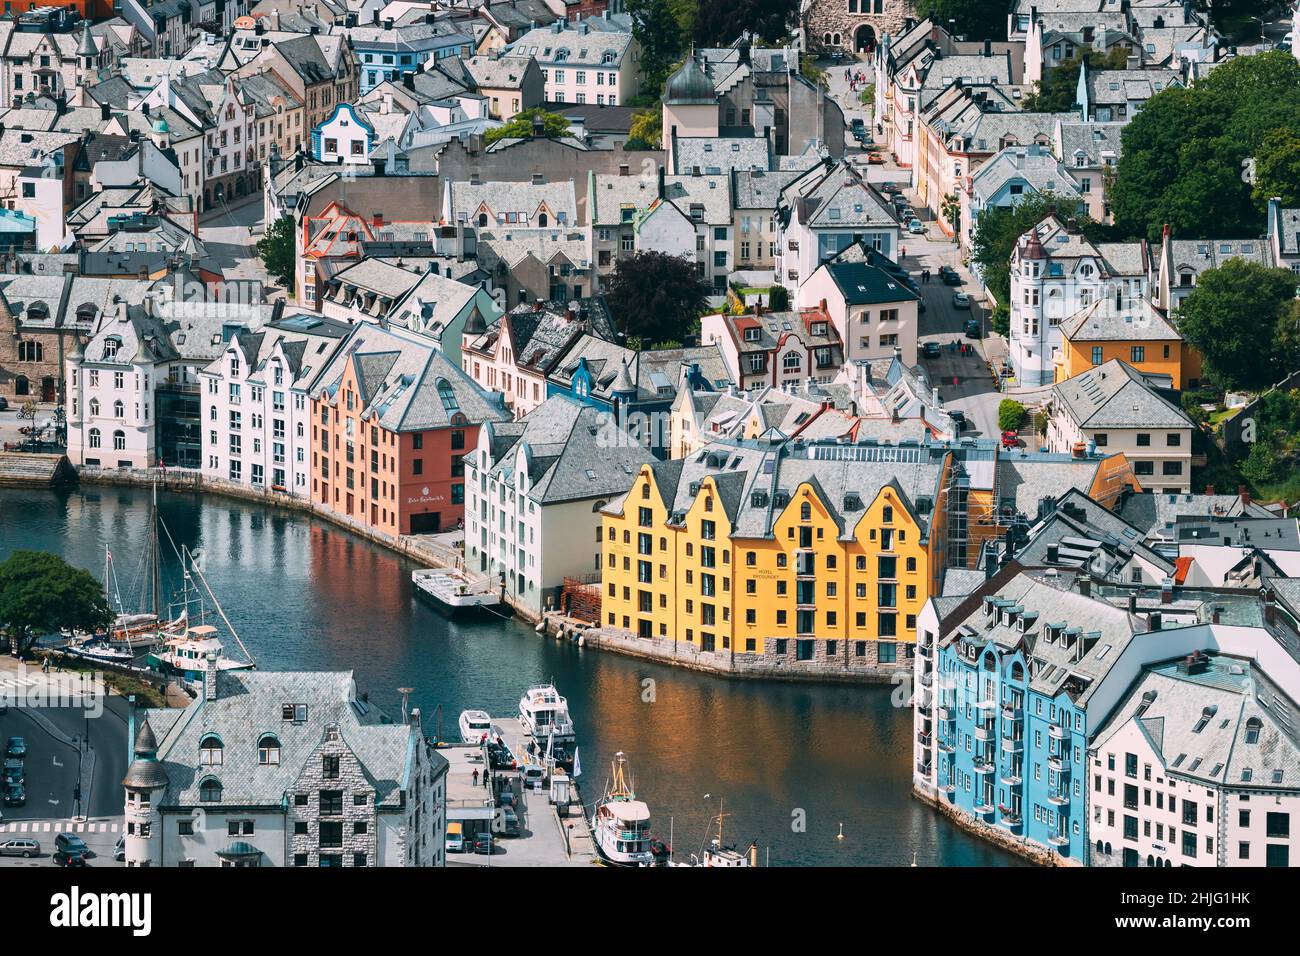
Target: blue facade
x=381 y=60
x=1010 y=756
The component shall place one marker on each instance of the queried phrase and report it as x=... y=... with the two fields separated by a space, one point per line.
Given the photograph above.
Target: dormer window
x=211 y=752
x=268 y=751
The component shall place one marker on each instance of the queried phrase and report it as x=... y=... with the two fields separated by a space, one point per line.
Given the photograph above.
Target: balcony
x=923 y=767
x=1060 y=798
x=984 y=705
x=924 y=737
x=1012 y=712
x=1058 y=732
x=1009 y=817
x=1059 y=839
x=984 y=765
x=949 y=787
x=985 y=730
x=927 y=679
x=983 y=804
x=1059 y=763
x=1011 y=776
x=925 y=650
x=946 y=746
x=924 y=698
x=947 y=712
x=1012 y=745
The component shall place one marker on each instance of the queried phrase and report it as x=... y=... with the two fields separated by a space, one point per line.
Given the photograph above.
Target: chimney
x=1209 y=489
x=1084 y=583
x=1244 y=492
x=210 y=676
x=988 y=47
x=1153 y=621
x=408 y=80
x=1053 y=554
x=1166 y=591
x=103 y=111
x=1270 y=605
x=1132 y=602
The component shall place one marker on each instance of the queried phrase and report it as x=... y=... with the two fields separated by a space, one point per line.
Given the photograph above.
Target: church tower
x=145 y=782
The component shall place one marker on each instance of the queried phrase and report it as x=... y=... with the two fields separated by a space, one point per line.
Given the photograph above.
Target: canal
x=793 y=762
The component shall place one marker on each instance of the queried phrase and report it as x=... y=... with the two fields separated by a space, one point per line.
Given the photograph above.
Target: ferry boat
x=454 y=592
x=474 y=726
x=620 y=825
x=544 y=716
x=186 y=654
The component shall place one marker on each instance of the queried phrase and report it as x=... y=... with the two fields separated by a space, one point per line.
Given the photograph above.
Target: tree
x=720 y=22
x=647 y=129
x=1058 y=90
x=662 y=36
x=1010 y=414
x=522 y=126
x=1260 y=466
x=778 y=298
x=1232 y=318
x=40 y=594
x=973 y=19
x=1186 y=155
x=998 y=228
x=657 y=296
x=1277 y=169
x=278 y=251
x=950 y=209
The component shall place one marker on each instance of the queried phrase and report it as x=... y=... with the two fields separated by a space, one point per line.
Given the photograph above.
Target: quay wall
x=998 y=836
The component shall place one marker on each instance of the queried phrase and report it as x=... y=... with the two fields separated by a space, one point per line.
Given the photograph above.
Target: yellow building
x=806 y=556
x=1138 y=335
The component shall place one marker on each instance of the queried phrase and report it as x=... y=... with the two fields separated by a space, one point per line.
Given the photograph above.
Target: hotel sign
x=425 y=498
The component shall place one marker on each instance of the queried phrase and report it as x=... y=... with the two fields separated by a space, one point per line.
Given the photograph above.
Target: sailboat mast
x=156 y=579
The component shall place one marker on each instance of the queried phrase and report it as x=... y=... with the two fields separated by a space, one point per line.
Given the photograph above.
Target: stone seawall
x=996 y=835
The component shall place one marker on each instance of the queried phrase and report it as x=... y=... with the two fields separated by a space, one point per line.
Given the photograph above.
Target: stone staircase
x=29 y=469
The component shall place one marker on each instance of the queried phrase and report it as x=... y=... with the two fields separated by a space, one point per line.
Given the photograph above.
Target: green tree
x=1185 y=154
x=40 y=594
x=950 y=209
x=521 y=126
x=1057 y=91
x=1260 y=467
x=278 y=252
x=656 y=296
x=1232 y=318
x=720 y=22
x=778 y=298
x=998 y=228
x=647 y=129
x=973 y=19
x=1277 y=169
x=662 y=36
x=1010 y=414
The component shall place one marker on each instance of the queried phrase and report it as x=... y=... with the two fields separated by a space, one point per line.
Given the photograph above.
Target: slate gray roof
x=1116 y=395
x=836 y=196
x=1036 y=167
x=1199 y=255
x=1289 y=231
x=1088 y=535
x=609 y=194
x=717 y=154
x=1156 y=514
x=1103 y=322
x=759 y=188
x=501 y=198
x=1028 y=479
x=575 y=452
x=584 y=49
x=249 y=705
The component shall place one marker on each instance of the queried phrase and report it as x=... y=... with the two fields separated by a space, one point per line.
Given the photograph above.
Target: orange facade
x=396 y=483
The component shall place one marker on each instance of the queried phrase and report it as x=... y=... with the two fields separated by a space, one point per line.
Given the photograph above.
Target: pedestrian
x=475 y=775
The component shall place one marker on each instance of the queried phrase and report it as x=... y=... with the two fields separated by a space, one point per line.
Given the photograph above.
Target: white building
x=345 y=137
x=1056 y=272
x=582 y=64
x=255 y=405
x=535 y=488
x=1199 y=765
x=283 y=769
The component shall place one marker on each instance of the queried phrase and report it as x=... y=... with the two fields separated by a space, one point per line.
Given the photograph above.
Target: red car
x=1010 y=440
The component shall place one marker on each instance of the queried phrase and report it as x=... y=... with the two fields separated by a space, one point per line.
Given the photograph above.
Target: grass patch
x=1219 y=417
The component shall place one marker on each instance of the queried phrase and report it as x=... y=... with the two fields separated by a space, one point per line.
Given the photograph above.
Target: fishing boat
x=544 y=716
x=620 y=824
x=186 y=654
x=474 y=726
x=718 y=853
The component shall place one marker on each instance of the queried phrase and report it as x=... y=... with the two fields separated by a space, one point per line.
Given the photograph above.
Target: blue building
x=344 y=137
x=1005 y=714
x=385 y=51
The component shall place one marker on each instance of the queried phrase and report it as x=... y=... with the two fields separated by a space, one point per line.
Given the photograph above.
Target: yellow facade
x=696 y=582
x=1174 y=358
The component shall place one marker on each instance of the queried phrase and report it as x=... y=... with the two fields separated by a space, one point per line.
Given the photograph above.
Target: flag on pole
x=577 y=767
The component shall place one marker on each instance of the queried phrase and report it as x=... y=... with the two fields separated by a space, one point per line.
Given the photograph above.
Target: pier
x=552 y=826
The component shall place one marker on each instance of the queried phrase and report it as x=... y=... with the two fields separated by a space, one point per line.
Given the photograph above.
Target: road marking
x=56 y=762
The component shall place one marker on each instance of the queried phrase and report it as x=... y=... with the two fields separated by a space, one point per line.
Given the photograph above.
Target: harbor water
x=795 y=763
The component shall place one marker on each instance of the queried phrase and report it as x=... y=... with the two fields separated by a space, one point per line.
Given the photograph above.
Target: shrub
x=1010 y=414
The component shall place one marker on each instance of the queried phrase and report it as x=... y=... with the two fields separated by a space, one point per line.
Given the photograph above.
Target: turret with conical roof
x=144 y=783
x=475 y=324
x=690 y=85
x=87 y=49
x=690 y=105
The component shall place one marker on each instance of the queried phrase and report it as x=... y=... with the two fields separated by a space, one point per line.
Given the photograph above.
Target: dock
x=553 y=830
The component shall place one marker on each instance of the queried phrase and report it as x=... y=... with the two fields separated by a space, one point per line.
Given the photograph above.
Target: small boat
x=453 y=591
x=97 y=648
x=474 y=726
x=621 y=823
x=718 y=854
x=186 y=654
x=544 y=716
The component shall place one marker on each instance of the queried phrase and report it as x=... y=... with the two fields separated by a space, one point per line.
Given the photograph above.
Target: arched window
x=119 y=440
x=119 y=410
x=210 y=751
x=541 y=219
x=210 y=791
x=93 y=439
x=268 y=751
x=1253 y=727
x=93 y=405
x=482 y=219
x=805 y=512
x=1017 y=671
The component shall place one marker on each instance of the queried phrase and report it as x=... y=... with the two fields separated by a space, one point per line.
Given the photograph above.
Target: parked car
x=119 y=850
x=949 y=275
x=916 y=227
x=1010 y=440
x=875 y=159
x=22 y=846
x=13 y=771
x=484 y=844
x=510 y=822
x=857 y=124
x=890 y=189
x=17 y=748
x=960 y=300
x=972 y=329
x=69 y=858
x=930 y=349
x=15 y=795
x=70 y=843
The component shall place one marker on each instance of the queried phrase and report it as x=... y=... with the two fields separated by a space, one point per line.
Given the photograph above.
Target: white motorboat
x=98 y=649
x=621 y=822
x=474 y=726
x=186 y=654
x=544 y=716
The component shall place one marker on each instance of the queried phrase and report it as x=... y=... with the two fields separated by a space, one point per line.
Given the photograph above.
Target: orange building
x=391 y=418
x=1137 y=334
